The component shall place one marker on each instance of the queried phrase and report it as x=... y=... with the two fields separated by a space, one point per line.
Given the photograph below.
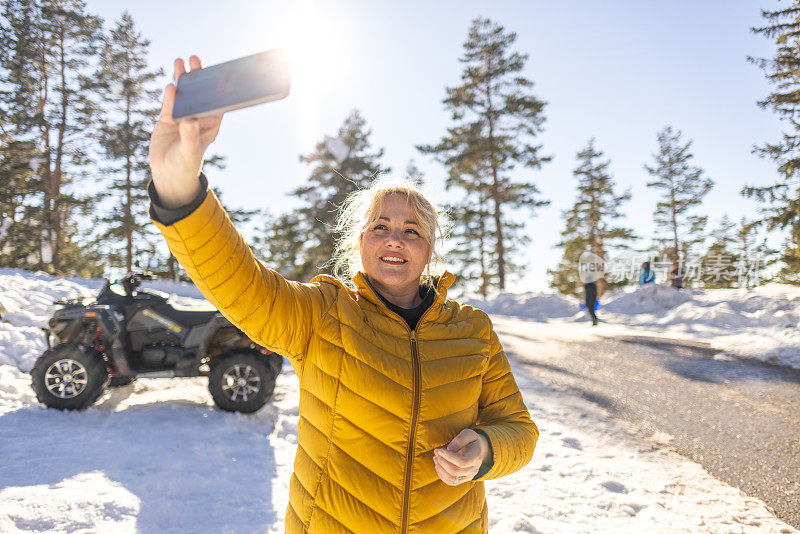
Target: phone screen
x=236 y=84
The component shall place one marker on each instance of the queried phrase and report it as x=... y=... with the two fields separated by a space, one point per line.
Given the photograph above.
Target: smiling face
x=393 y=251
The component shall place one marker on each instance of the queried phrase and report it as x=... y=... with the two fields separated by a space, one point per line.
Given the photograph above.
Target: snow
x=156 y=456
x=539 y=306
x=652 y=298
x=762 y=322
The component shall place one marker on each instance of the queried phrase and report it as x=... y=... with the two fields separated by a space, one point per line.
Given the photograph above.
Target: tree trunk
x=499 y=246
x=44 y=167
x=675 y=243
x=59 y=214
x=482 y=243
x=501 y=260
x=128 y=190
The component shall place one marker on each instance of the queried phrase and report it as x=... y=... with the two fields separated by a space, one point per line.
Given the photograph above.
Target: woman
x=407 y=401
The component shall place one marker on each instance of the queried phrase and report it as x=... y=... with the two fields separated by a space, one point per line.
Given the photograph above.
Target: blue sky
x=616 y=71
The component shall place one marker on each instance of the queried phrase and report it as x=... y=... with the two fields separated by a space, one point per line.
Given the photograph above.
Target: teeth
x=393 y=259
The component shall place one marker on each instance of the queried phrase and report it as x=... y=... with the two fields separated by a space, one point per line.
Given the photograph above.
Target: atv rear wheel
x=68 y=377
x=241 y=381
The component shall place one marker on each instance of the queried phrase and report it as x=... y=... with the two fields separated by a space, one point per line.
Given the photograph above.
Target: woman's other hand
x=176 y=149
x=462 y=458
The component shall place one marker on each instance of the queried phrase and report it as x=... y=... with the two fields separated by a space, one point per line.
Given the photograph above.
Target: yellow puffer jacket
x=375 y=397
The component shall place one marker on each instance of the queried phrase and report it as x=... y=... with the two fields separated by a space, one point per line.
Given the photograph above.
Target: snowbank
x=762 y=322
x=652 y=298
x=539 y=306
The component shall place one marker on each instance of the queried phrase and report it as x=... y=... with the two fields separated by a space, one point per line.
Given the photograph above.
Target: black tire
x=275 y=363
x=241 y=381
x=119 y=381
x=87 y=377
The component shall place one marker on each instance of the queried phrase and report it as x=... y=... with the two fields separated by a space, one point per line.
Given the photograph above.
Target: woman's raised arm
x=272 y=311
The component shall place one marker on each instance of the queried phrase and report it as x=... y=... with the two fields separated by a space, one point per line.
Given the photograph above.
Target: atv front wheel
x=68 y=377
x=241 y=381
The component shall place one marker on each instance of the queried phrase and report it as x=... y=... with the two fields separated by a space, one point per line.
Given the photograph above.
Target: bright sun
x=314 y=41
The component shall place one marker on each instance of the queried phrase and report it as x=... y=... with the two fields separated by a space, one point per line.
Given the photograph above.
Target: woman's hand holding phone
x=177 y=148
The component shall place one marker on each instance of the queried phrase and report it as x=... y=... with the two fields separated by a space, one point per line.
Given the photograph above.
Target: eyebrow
x=389 y=220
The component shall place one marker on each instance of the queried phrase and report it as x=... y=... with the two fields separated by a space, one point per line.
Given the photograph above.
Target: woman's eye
x=412 y=232
x=379 y=227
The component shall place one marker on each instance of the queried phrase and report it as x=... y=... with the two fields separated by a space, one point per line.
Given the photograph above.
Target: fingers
x=195 y=63
x=464 y=459
x=209 y=128
x=444 y=476
x=190 y=135
x=169 y=99
x=180 y=68
x=451 y=474
x=464 y=438
x=460 y=460
x=180 y=65
x=462 y=468
x=167 y=102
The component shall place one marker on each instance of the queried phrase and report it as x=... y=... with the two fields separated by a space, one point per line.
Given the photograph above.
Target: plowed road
x=739 y=418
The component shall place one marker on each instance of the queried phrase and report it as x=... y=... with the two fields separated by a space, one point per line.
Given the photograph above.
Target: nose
x=394 y=239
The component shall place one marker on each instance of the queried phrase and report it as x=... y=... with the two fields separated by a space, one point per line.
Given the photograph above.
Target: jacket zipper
x=413 y=437
x=414 y=410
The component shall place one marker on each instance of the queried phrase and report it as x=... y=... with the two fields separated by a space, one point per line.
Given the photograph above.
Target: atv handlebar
x=133 y=280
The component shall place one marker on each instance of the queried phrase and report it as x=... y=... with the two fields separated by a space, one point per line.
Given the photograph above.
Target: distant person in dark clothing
x=647 y=276
x=590 y=296
x=676 y=276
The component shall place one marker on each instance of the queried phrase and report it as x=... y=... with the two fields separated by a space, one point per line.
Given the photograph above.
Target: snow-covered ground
x=155 y=456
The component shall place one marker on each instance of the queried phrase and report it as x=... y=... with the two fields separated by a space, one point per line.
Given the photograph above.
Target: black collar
x=412 y=315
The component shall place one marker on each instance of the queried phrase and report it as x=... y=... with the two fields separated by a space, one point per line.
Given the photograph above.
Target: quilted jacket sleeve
x=503 y=416
x=274 y=312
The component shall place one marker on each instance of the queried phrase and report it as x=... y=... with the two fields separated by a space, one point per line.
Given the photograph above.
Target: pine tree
x=755 y=255
x=781 y=209
x=303 y=241
x=21 y=186
x=736 y=257
x=48 y=48
x=130 y=103
x=590 y=223
x=721 y=259
x=496 y=120
x=414 y=173
x=682 y=188
x=18 y=210
x=277 y=245
x=470 y=238
x=471 y=243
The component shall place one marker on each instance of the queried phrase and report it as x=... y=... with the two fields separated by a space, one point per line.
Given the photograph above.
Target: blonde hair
x=361 y=208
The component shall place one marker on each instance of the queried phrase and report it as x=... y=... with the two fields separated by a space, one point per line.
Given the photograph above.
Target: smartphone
x=236 y=84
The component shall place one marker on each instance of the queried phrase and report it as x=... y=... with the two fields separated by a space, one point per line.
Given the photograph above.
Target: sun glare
x=314 y=44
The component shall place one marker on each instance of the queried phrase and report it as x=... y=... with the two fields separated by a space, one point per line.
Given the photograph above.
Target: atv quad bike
x=127 y=333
